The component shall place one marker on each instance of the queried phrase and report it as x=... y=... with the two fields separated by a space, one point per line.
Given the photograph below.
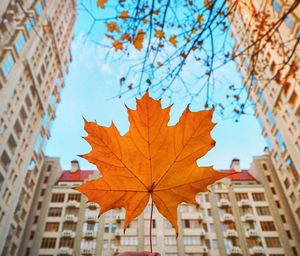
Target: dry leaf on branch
x=151 y=159
x=139 y=39
x=101 y=3
x=112 y=26
x=173 y=40
x=118 y=45
x=124 y=15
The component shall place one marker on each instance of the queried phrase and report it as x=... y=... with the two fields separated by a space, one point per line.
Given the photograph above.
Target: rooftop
x=79 y=175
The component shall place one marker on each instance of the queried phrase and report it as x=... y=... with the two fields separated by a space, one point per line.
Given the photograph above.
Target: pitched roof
x=79 y=175
x=82 y=175
x=243 y=175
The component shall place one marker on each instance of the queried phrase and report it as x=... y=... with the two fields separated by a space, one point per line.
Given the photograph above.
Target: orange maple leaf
x=151 y=159
x=125 y=37
x=200 y=18
x=139 y=39
x=112 y=26
x=173 y=40
x=101 y=3
x=159 y=34
x=118 y=45
x=124 y=15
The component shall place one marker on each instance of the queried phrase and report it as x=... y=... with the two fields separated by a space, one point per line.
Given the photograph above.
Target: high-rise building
x=275 y=89
x=239 y=216
x=35 y=39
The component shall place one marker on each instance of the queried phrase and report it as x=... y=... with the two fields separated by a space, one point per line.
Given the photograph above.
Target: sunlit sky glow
x=91 y=88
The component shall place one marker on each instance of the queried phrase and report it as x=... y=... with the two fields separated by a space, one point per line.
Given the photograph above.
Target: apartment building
x=239 y=216
x=35 y=37
x=277 y=101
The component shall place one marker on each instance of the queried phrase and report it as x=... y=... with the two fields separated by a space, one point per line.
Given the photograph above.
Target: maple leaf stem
x=151 y=213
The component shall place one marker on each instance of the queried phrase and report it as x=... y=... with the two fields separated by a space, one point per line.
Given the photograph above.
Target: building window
x=31 y=165
x=191 y=240
x=38 y=9
x=54 y=212
x=298 y=212
x=276 y=157
x=258 y=197
x=263 y=210
x=273 y=242
x=38 y=143
x=31 y=235
x=70 y=226
x=293 y=197
x=286 y=183
x=106 y=228
x=289 y=22
x=113 y=227
x=270 y=117
x=278 y=204
x=7 y=64
x=48 y=243
x=170 y=240
x=58 y=198
x=45 y=120
x=147 y=240
x=288 y=233
x=129 y=240
x=66 y=242
x=273 y=191
x=29 y=24
x=261 y=97
x=74 y=197
x=280 y=141
x=20 y=43
x=267 y=226
x=36 y=218
x=283 y=218
x=292 y=167
x=276 y=6
x=265 y=166
x=52 y=226
x=270 y=146
x=260 y=122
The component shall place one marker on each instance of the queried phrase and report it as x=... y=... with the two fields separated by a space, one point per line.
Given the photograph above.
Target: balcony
x=192 y=216
x=251 y=233
x=73 y=203
x=202 y=232
x=196 y=249
x=227 y=217
x=223 y=203
x=87 y=251
x=257 y=250
x=89 y=233
x=92 y=205
x=71 y=218
x=244 y=203
x=235 y=250
x=68 y=233
x=248 y=217
x=203 y=249
x=231 y=233
x=65 y=251
x=91 y=218
x=129 y=232
x=194 y=232
x=119 y=217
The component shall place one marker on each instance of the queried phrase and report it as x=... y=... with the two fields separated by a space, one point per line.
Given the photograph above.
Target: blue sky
x=91 y=87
